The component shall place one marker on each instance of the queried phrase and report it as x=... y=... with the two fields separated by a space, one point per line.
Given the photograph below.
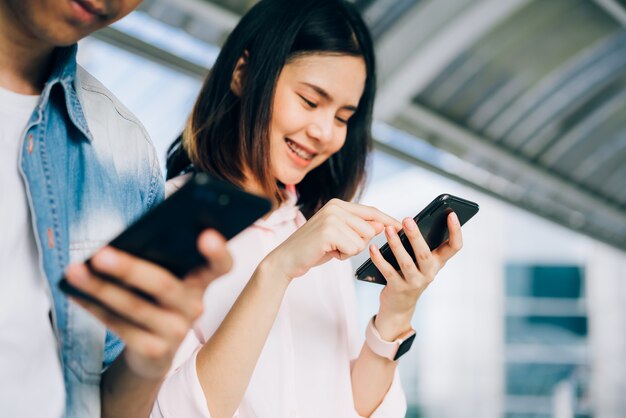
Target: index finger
x=135 y=273
x=370 y=213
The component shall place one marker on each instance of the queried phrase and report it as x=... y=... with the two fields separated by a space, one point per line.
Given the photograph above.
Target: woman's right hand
x=339 y=230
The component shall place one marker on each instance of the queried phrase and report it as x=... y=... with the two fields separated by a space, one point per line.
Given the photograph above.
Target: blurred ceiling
x=529 y=94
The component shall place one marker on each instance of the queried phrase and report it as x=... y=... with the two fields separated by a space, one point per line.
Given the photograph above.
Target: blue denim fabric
x=83 y=189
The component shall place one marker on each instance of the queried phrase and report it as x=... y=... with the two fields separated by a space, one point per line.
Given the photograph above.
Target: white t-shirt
x=31 y=380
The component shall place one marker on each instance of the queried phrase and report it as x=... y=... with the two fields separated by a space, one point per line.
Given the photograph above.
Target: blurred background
x=518 y=105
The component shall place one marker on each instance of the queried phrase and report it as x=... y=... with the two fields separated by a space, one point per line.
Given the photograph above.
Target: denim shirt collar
x=64 y=73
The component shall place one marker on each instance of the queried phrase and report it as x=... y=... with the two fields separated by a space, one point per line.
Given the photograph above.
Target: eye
x=343 y=117
x=309 y=103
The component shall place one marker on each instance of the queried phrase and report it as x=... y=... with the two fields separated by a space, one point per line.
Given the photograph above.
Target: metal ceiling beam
x=418 y=25
x=459 y=137
x=209 y=12
x=614 y=9
x=137 y=46
x=429 y=59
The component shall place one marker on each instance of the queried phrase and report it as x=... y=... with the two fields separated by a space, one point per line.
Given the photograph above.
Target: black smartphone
x=432 y=222
x=167 y=235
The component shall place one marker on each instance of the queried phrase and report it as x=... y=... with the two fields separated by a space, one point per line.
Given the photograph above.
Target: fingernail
x=211 y=241
x=107 y=258
x=454 y=218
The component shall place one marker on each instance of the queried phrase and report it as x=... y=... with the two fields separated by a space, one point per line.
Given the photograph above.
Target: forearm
x=125 y=394
x=226 y=362
x=371 y=378
x=372 y=374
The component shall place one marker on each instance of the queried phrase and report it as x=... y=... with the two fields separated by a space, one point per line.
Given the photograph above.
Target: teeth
x=299 y=151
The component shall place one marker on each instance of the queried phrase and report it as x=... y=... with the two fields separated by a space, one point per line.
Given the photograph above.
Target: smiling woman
x=326 y=63
x=286 y=113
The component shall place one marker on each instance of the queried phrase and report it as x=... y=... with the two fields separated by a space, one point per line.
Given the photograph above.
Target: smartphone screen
x=432 y=223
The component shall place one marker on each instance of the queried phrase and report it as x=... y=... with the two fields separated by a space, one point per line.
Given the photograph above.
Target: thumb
x=378 y=226
x=212 y=246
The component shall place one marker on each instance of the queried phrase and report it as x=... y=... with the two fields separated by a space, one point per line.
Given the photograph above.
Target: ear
x=239 y=74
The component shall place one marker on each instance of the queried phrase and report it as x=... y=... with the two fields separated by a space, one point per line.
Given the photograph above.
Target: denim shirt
x=89 y=170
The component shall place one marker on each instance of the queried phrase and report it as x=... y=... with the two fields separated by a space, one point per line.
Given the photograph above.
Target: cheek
x=339 y=142
x=334 y=148
x=288 y=117
x=49 y=23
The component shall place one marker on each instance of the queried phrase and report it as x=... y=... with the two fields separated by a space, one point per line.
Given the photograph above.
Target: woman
x=286 y=113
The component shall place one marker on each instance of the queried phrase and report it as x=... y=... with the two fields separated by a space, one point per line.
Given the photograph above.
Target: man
x=76 y=168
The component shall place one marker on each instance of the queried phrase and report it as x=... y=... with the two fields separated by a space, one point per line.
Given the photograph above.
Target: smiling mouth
x=299 y=151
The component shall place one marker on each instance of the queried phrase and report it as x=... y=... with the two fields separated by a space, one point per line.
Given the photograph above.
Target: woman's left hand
x=398 y=298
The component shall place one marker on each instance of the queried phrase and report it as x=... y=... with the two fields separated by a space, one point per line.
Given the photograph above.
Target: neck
x=24 y=59
x=251 y=183
x=254 y=188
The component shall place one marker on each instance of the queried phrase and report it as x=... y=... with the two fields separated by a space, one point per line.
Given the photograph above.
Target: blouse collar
x=288 y=211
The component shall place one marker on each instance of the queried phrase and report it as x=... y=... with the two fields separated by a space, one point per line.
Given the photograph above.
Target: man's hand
x=151 y=330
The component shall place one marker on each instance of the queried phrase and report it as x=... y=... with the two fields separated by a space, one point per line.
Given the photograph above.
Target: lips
x=92 y=7
x=299 y=150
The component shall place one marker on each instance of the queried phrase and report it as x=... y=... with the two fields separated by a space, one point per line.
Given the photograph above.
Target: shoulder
x=118 y=136
x=101 y=106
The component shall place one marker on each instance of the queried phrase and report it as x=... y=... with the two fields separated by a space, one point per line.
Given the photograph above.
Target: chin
x=290 y=179
x=65 y=35
x=66 y=41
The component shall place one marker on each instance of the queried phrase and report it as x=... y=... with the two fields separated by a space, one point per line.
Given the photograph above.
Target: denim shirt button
x=50 y=238
x=31 y=144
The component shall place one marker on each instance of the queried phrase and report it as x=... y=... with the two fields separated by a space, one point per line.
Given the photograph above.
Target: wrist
x=391 y=350
x=142 y=369
x=391 y=325
x=270 y=271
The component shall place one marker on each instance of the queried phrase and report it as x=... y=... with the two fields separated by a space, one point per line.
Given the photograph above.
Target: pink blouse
x=304 y=367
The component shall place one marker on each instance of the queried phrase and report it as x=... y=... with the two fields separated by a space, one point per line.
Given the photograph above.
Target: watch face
x=404 y=347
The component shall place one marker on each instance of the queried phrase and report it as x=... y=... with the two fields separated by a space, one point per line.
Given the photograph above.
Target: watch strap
x=391 y=350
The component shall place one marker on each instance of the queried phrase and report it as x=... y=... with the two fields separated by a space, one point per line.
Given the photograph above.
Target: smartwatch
x=392 y=350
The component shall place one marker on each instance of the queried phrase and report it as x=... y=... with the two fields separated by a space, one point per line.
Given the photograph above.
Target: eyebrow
x=326 y=96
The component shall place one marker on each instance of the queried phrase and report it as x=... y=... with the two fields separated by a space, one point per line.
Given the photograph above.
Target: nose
x=322 y=127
